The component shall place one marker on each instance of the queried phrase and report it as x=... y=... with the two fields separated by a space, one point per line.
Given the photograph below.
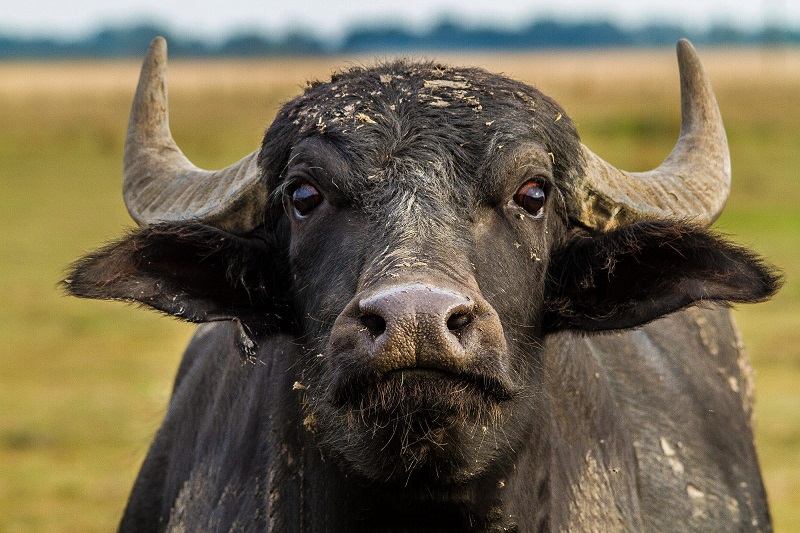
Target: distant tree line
x=446 y=35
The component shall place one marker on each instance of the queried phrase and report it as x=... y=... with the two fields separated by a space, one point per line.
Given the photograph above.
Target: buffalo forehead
x=423 y=89
x=419 y=136
x=409 y=98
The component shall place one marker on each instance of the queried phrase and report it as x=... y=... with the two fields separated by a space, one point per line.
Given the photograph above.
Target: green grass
x=83 y=385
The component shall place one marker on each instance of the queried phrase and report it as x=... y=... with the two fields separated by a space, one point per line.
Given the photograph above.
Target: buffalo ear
x=637 y=273
x=195 y=272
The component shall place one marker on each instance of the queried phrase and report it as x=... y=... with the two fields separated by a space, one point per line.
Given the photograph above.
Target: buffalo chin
x=415 y=425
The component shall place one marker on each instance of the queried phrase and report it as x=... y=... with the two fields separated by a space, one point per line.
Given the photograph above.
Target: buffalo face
x=419 y=220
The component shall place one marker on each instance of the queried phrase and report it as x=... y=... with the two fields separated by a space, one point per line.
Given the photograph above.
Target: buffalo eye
x=530 y=197
x=304 y=199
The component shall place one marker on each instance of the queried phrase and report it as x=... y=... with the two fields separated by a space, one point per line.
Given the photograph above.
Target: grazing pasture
x=84 y=384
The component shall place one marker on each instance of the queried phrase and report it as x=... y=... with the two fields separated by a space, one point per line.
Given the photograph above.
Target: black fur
x=418 y=165
x=641 y=272
x=193 y=272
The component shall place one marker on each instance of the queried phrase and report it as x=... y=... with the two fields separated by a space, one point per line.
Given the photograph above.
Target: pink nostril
x=407 y=307
x=422 y=326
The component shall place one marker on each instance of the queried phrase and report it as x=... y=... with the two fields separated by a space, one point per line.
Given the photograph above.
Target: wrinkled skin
x=411 y=361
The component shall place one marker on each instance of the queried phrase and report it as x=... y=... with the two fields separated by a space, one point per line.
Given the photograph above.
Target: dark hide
x=517 y=423
x=193 y=272
x=640 y=272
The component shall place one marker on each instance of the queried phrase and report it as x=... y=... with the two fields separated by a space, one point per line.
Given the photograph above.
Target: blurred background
x=84 y=385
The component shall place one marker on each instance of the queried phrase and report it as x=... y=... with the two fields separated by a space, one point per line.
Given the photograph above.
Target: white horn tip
x=158 y=48
x=155 y=62
x=684 y=46
x=148 y=118
x=687 y=56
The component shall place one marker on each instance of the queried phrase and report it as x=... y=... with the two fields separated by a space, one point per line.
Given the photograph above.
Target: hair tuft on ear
x=637 y=273
x=191 y=271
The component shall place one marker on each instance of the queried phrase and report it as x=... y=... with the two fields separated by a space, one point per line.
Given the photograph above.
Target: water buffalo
x=426 y=306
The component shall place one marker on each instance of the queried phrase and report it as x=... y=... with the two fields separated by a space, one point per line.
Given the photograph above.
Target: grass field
x=83 y=385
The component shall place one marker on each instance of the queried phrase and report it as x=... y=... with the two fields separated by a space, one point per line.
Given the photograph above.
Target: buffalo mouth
x=416 y=424
x=427 y=394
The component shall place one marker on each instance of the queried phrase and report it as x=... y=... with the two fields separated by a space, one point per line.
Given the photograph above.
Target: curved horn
x=161 y=184
x=693 y=182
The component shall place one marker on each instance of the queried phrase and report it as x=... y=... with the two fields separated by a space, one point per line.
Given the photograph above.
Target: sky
x=331 y=18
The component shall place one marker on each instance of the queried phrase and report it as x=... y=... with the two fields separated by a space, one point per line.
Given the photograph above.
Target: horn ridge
x=161 y=184
x=692 y=183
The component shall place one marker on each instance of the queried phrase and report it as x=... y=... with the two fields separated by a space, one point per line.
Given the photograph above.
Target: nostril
x=375 y=324
x=459 y=321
